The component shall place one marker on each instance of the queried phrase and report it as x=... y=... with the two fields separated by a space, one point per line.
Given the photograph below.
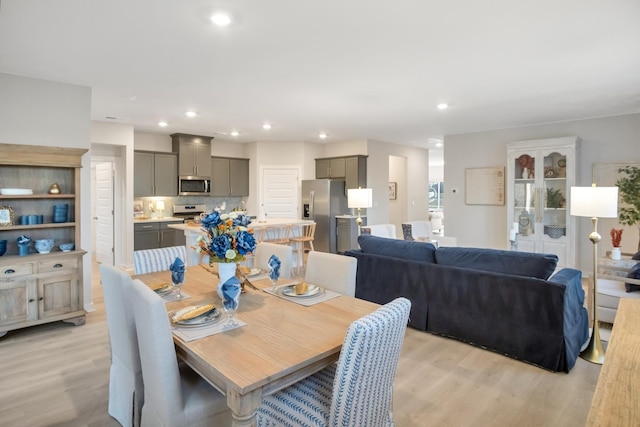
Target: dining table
x=279 y=343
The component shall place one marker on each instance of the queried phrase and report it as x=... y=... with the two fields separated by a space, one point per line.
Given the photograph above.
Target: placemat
x=173 y=296
x=306 y=301
x=190 y=334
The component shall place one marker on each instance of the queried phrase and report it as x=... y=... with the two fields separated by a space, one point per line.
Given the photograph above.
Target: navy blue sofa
x=504 y=301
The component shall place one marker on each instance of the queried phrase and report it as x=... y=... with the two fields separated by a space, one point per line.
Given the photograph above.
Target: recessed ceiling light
x=438 y=144
x=221 y=19
x=163 y=124
x=235 y=133
x=442 y=106
x=322 y=135
x=191 y=113
x=266 y=126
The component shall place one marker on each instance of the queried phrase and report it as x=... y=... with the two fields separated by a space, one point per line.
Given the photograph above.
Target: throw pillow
x=634 y=273
x=636 y=257
x=523 y=264
x=403 y=249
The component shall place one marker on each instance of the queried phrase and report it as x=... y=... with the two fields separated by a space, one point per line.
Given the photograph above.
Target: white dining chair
x=158 y=259
x=174 y=395
x=332 y=271
x=126 y=390
x=264 y=251
x=358 y=390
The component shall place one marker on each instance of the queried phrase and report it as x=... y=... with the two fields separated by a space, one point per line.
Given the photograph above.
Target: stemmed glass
x=178 y=286
x=230 y=302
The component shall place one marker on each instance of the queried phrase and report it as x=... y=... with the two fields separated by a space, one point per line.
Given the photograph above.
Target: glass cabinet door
x=554 y=217
x=525 y=194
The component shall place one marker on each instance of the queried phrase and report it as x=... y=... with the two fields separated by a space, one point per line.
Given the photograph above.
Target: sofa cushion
x=403 y=249
x=636 y=256
x=634 y=273
x=525 y=264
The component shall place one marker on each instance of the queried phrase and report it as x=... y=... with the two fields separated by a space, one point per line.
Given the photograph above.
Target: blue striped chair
x=152 y=260
x=358 y=390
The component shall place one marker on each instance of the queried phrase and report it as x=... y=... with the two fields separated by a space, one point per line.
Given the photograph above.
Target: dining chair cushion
x=126 y=389
x=263 y=252
x=358 y=391
x=332 y=271
x=174 y=396
x=159 y=259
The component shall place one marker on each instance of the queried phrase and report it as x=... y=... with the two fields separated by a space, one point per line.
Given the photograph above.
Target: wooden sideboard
x=616 y=401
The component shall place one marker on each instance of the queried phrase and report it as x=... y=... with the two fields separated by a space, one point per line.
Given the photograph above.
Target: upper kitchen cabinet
x=353 y=169
x=194 y=154
x=229 y=177
x=155 y=174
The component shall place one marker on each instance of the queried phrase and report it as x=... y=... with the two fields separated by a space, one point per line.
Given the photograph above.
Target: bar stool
x=278 y=234
x=307 y=234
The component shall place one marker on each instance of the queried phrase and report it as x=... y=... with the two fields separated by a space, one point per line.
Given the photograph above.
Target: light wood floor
x=58 y=374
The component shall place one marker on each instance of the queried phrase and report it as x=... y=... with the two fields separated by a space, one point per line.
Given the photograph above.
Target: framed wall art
x=484 y=186
x=6 y=216
x=393 y=190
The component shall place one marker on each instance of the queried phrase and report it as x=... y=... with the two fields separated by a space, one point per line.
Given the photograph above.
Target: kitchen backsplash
x=210 y=202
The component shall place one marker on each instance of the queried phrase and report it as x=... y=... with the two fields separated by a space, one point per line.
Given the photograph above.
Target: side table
x=611 y=279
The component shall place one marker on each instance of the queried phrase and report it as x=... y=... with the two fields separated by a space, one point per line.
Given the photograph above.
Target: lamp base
x=594 y=352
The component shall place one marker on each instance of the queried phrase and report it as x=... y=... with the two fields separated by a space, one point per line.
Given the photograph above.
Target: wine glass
x=230 y=302
x=178 y=287
x=274 y=282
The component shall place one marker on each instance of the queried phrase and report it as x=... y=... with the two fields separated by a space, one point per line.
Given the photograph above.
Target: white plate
x=254 y=272
x=290 y=291
x=16 y=191
x=204 y=319
x=165 y=290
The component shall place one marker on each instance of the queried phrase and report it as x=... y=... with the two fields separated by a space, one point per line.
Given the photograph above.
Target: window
x=436 y=195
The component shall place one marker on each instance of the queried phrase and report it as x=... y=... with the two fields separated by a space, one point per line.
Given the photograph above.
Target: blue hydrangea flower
x=245 y=242
x=211 y=220
x=221 y=244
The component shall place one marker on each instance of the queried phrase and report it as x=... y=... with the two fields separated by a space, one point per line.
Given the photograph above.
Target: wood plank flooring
x=57 y=375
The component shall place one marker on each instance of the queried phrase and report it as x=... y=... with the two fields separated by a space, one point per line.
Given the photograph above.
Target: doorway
x=279 y=193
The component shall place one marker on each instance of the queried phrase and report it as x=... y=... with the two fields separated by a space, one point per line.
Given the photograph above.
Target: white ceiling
x=351 y=68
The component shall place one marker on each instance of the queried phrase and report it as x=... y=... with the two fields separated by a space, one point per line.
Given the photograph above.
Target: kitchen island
x=193 y=230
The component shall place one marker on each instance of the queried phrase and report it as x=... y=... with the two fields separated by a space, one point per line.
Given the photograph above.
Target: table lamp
x=160 y=207
x=594 y=202
x=359 y=198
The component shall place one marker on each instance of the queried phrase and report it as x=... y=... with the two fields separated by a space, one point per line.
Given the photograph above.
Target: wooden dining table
x=281 y=343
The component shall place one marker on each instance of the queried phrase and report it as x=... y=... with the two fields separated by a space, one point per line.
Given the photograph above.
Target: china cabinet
x=540 y=174
x=39 y=288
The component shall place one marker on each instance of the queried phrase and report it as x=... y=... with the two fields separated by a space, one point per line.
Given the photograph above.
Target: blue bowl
x=44 y=246
x=66 y=247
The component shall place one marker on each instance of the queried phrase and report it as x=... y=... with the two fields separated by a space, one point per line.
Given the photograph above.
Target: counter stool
x=307 y=233
x=278 y=234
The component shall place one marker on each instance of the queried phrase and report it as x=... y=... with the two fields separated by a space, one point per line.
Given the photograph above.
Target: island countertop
x=197 y=228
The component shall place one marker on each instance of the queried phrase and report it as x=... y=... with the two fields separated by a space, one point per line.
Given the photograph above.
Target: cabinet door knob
x=57 y=265
x=9 y=271
x=31 y=300
x=40 y=299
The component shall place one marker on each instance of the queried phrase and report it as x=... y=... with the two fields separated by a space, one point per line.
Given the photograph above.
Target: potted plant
x=616 y=237
x=629 y=186
x=554 y=198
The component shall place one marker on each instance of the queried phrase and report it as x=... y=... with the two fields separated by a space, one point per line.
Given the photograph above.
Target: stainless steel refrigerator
x=322 y=200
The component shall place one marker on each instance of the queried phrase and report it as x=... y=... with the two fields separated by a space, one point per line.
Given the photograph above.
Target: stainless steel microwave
x=194 y=186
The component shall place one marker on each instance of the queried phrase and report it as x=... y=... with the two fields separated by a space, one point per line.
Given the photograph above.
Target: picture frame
x=6 y=216
x=393 y=190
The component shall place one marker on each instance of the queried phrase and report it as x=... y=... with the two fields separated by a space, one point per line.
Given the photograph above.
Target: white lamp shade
x=599 y=202
x=359 y=198
x=160 y=205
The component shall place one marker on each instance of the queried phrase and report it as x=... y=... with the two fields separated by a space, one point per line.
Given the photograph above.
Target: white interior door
x=104 y=212
x=280 y=188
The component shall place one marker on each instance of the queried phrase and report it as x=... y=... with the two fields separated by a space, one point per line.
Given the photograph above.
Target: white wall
x=39 y=112
x=608 y=140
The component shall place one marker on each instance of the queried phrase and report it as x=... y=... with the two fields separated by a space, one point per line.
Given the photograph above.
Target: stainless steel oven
x=194 y=186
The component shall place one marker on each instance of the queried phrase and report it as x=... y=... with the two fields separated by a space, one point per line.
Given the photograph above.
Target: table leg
x=244 y=407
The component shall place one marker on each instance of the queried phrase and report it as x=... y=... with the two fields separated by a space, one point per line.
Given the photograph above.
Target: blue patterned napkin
x=177 y=271
x=230 y=292
x=274 y=268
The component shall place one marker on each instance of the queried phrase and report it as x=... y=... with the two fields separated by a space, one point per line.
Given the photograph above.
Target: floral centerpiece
x=227 y=237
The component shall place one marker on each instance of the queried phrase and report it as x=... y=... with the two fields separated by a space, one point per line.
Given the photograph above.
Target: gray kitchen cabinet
x=152 y=235
x=356 y=172
x=155 y=174
x=330 y=168
x=229 y=177
x=347 y=233
x=194 y=152
x=352 y=168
